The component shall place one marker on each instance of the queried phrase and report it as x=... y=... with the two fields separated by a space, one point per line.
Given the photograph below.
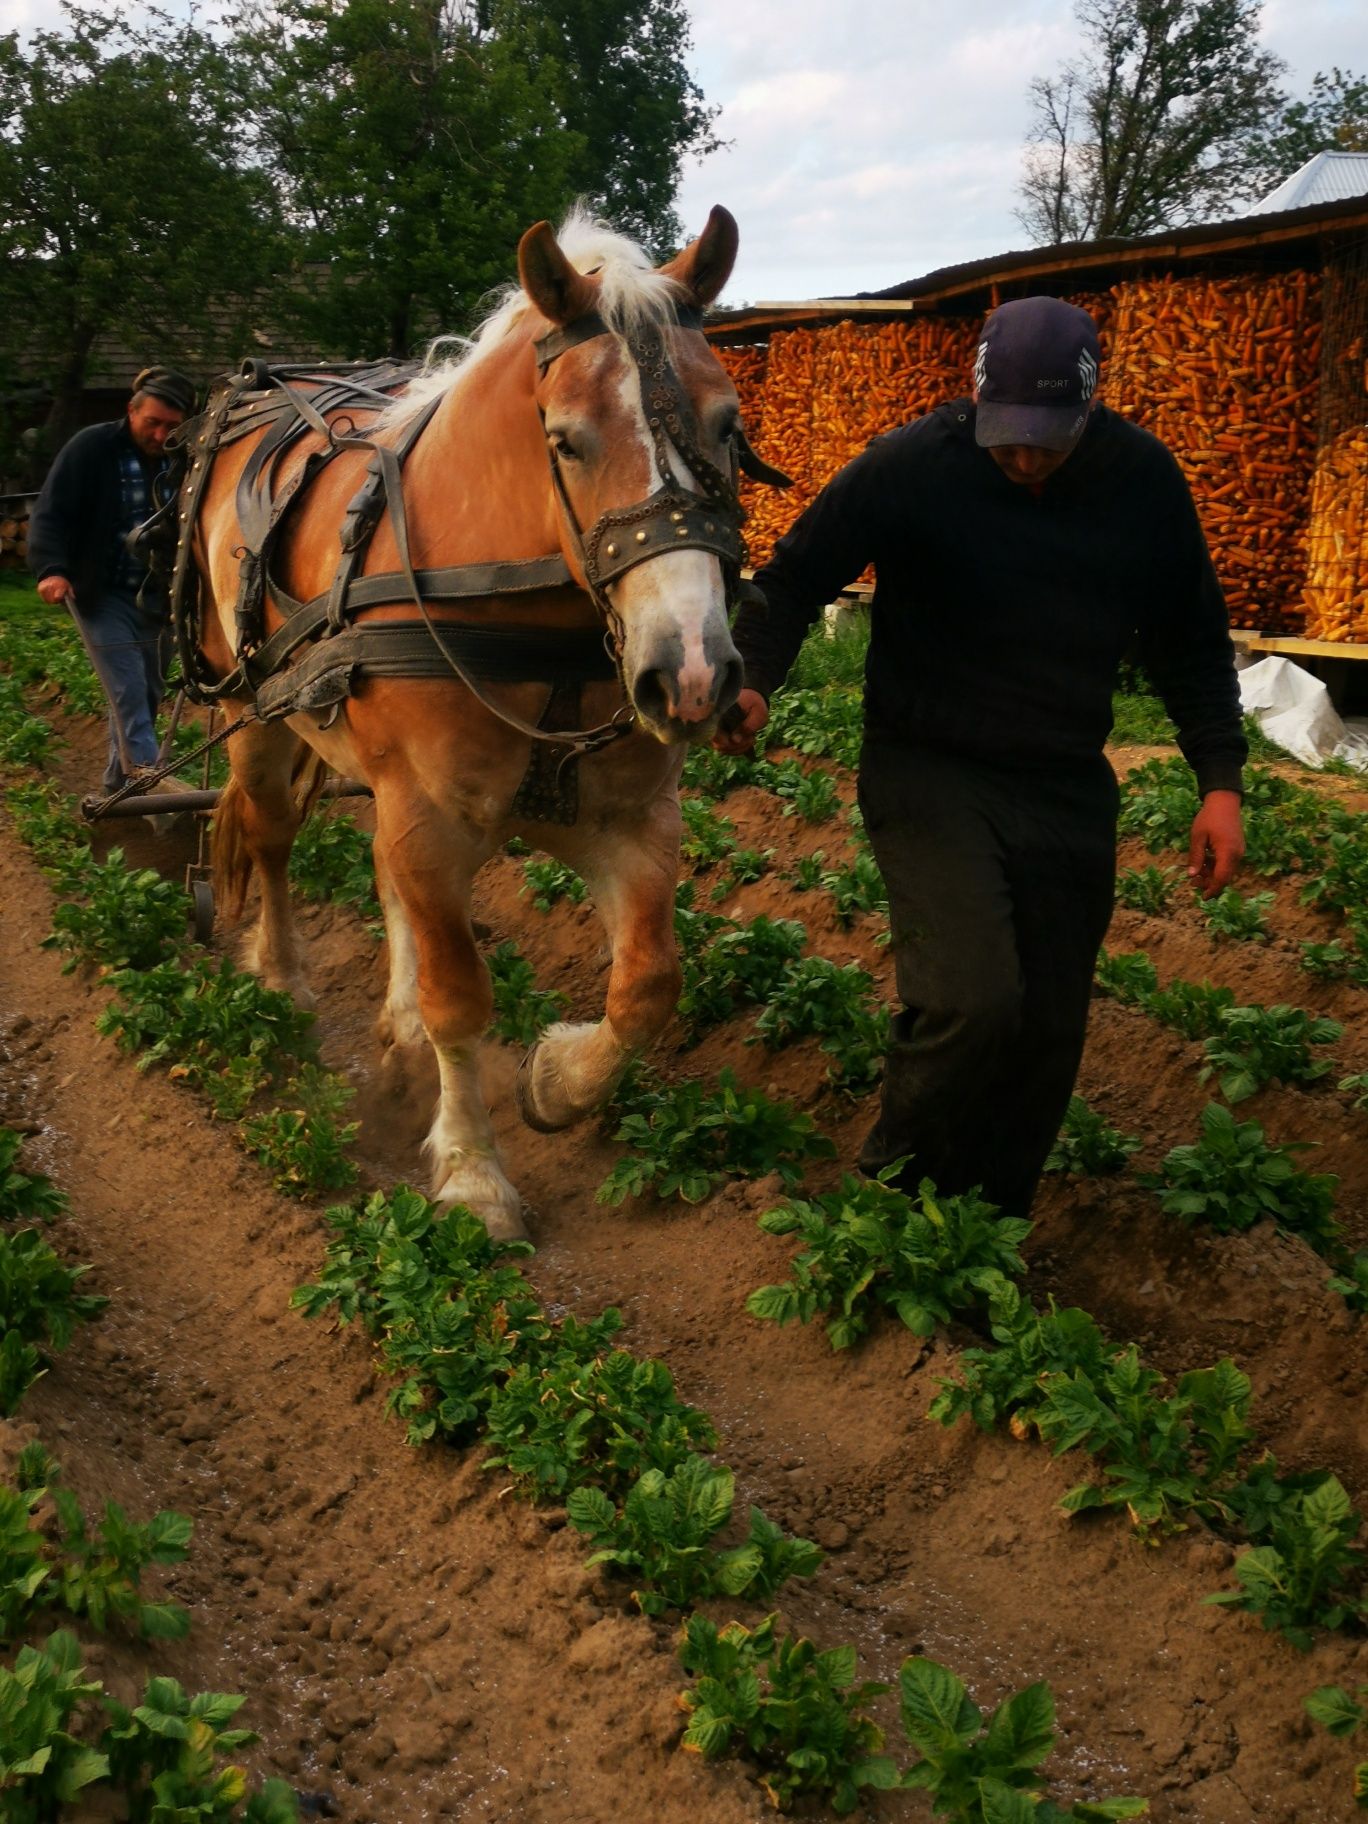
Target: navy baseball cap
x=1035 y=372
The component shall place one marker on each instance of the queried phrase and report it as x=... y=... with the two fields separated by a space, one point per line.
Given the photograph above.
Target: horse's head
x=640 y=421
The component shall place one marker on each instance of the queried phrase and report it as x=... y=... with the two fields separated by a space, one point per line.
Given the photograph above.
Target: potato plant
x=798 y=1715
x=825 y=724
x=522 y=1011
x=1148 y=890
x=686 y=1141
x=1253 y=1046
x=1129 y=977
x=664 y=1530
x=1232 y=1178
x=303 y=1141
x=40 y=1306
x=1088 y=1146
x=1232 y=914
x=24 y=1196
x=1310 y=1573
x=125 y=918
x=730 y=966
x=708 y=836
x=926 y=1258
x=1343 y=1714
x=547 y=881
x=835 y=1004
x=331 y=861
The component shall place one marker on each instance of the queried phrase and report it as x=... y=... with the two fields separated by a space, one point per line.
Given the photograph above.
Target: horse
x=588 y=399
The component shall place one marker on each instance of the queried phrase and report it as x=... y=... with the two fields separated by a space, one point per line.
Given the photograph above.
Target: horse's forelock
x=631 y=292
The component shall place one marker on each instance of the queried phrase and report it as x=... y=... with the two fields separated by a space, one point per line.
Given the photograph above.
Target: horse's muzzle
x=681 y=701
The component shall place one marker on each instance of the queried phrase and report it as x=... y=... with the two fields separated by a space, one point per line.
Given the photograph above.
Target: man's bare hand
x=1217 y=845
x=739 y=737
x=55 y=589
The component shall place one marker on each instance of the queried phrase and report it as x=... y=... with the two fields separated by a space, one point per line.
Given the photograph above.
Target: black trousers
x=1000 y=887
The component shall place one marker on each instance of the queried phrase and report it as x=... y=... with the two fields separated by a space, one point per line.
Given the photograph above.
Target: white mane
x=631 y=292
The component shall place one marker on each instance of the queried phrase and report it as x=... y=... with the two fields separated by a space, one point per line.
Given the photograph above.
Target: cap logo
x=981 y=366
x=1087 y=372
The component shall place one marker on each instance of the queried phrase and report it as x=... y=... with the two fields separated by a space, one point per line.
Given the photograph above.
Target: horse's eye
x=562 y=445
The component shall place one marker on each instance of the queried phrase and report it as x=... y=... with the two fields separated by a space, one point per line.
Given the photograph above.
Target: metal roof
x=1329 y=177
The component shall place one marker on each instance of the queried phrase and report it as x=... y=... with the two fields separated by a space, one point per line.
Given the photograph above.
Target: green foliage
x=25 y=740
x=39 y=1306
x=1129 y=977
x=1146 y=889
x=1343 y=1715
x=126 y=918
x=599 y=1421
x=1003 y=1383
x=1139 y=719
x=1257 y=1045
x=303 y=1141
x=857 y=887
x=200 y=1018
x=1233 y=915
x=1195 y=1009
x=727 y=966
x=331 y=861
x=47 y=821
x=1342 y=858
x=1088 y=1145
x=807 y=872
x=662 y=1535
x=100 y=1570
x=24 y=1568
x=708 y=836
x=831 y=656
x=164 y=1753
x=1158 y=803
x=1232 y=1178
x=547 y=881
x=25 y=1198
x=711 y=775
x=1335 y=962
x=744 y=867
x=796 y=1713
x=1352 y=1283
x=687 y=1140
x=868 y=1244
x=835 y=1004
x=40 y=647
x=825 y=723
x=1310 y=1574
x=984 y=1770
x=809 y=795
x=522 y=1011
x=43 y=1766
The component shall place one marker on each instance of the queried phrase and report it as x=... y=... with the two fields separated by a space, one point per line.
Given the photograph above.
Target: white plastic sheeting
x=1294 y=709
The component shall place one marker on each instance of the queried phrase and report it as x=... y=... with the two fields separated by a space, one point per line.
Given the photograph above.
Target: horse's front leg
x=258 y=817
x=426 y=871
x=631 y=873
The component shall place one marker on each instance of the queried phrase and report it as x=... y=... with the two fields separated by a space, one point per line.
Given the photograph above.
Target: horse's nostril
x=650 y=695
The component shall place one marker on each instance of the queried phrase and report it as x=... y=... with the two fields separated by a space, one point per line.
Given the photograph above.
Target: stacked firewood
x=14 y=518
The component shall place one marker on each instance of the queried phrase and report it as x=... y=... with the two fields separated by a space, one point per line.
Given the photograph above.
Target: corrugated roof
x=1329 y=177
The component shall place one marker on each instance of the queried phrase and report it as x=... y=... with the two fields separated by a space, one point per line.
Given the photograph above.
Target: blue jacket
x=74 y=528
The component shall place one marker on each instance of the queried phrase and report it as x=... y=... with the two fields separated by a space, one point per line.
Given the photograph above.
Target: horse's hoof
x=523 y=1094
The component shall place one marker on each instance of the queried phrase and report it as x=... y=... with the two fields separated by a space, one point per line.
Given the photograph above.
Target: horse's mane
x=631 y=292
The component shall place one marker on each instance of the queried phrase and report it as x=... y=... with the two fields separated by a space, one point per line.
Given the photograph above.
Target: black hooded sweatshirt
x=1001 y=612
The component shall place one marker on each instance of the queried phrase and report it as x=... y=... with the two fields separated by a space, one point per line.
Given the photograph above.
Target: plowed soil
x=414 y=1643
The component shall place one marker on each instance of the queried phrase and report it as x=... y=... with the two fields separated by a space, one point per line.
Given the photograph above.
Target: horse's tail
x=231 y=856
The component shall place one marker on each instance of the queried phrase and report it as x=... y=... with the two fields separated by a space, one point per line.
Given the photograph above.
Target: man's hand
x=739 y=738
x=54 y=589
x=1217 y=845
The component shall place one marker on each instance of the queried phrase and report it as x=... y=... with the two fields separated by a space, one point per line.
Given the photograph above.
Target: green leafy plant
x=125 y=918
x=43 y=1766
x=1335 y=962
x=810 y=795
x=709 y=774
x=1232 y=1178
x=99 y=1571
x=165 y=1754
x=1352 y=1282
x=197 y=1019
x=738 y=965
x=547 y=881
x=1087 y=1145
x=708 y=836
x=857 y=887
x=1147 y=890
x=522 y=1011
x=1311 y=1573
x=1343 y=1715
x=24 y=1567
x=39 y=1307
x=303 y=1142
x=1002 y=1384
x=1195 y=1009
x=1258 y=1045
x=687 y=1140
x=983 y=1770
x=825 y=723
x=25 y=1197
x=1232 y=914
x=868 y=1244
x=796 y=1713
x=1129 y=977
x=602 y=1421
x=744 y=867
x=835 y=1004
x=662 y=1536
x=1158 y=803
x=808 y=870
x=48 y=822
x=332 y=861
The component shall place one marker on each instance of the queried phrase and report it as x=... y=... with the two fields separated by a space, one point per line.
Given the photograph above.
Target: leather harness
x=314 y=658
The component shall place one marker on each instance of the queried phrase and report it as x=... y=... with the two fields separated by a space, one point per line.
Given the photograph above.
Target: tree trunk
x=65 y=415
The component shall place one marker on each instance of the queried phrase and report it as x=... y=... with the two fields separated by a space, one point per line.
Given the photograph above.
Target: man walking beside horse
x=1023 y=541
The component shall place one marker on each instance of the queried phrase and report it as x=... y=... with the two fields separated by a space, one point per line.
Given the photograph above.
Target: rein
x=671 y=518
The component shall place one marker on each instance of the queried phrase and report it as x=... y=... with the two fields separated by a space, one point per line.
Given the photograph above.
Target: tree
x=1332 y=118
x=1152 y=126
x=415 y=140
x=620 y=81
x=124 y=210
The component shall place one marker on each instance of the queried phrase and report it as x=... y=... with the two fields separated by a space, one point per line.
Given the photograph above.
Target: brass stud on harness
x=681 y=531
x=676 y=517
x=641 y=538
x=612 y=550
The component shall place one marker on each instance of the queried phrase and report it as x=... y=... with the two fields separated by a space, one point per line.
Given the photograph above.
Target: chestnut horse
x=535 y=432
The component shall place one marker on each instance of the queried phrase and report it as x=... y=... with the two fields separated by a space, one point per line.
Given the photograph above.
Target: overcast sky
x=873 y=140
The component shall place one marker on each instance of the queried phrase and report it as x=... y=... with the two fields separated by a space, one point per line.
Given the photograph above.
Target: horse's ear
x=558 y=291
x=705 y=264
